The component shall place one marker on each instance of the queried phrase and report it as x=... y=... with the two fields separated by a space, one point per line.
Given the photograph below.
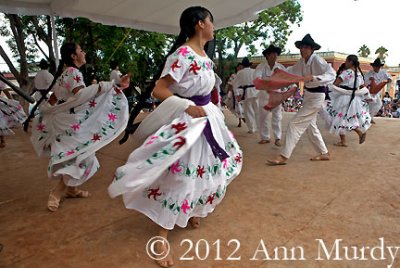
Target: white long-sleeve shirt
x=263 y=70
x=379 y=76
x=244 y=78
x=322 y=71
x=43 y=79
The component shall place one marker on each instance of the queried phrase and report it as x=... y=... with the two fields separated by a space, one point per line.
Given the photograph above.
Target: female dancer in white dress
x=75 y=123
x=348 y=109
x=182 y=170
x=11 y=114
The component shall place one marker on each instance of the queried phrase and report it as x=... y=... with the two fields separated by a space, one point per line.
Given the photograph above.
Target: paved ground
x=354 y=197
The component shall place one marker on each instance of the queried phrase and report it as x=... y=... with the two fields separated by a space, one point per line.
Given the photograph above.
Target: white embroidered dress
x=341 y=115
x=71 y=132
x=11 y=114
x=174 y=174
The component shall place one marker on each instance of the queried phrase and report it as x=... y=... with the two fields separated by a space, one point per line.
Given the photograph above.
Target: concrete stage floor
x=354 y=197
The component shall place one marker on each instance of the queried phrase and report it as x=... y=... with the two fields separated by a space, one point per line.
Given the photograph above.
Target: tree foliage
x=21 y=45
x=137 y=52
x=381 y=52
x=272 y=26
x=364 y=51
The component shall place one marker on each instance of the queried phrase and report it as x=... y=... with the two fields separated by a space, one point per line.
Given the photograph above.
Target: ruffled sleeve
x=72 y=78
x=177 y=64
x=345 y=75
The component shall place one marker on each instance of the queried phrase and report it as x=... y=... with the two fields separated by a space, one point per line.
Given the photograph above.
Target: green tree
x=364 y=51
x=22 y=35
x=272 y=26
x=381 y=52
x=137 y=52
x=22 y=47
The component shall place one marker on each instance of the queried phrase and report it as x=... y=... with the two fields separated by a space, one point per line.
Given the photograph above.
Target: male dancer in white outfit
x=378 y=75
x=244 y=80
x=234 y=105
x=263 y=71
x=317 y=75
x=42 y=80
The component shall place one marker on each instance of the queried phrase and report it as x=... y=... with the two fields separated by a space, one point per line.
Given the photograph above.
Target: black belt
x=347 y=88
x=246 y=86
x=320 y=89
x=244 y=90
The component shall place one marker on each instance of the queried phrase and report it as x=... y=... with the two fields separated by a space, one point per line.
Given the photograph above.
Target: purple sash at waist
x=216 y=149
x=200 y=100
x=320 y=89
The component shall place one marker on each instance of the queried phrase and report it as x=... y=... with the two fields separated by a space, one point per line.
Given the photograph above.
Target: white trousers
x=306 y=120
x=239 y=109
x=264 y=118
x=375 y=105
x=250 y=108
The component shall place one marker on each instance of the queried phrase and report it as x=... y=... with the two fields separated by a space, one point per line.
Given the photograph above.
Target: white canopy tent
x=150 y=15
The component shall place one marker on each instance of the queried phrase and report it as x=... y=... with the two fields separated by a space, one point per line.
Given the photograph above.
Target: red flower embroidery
x=225 y=162
x=175 y=65
x=92 y=103
x=71 y=152
x=152 y=139
x=112 y=117
x=194 y=67
x=200 y=171
x=175 y=168
x=154 y=193
x=185 y=206
x=41 y=127
x=211 y=198
x=179 y=143
x=75 y=127
x=184 y=51
x=96 y=137
x=77 y=78
x=179 y=127
x=238 y=158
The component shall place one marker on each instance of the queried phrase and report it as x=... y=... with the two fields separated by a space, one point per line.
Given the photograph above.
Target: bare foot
x=167 y=261
x=194 y=222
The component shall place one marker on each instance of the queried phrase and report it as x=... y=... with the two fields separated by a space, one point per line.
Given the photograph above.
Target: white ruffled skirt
x=174 y=175
x=342 y=116
x=71 y=133
x=11 y=116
